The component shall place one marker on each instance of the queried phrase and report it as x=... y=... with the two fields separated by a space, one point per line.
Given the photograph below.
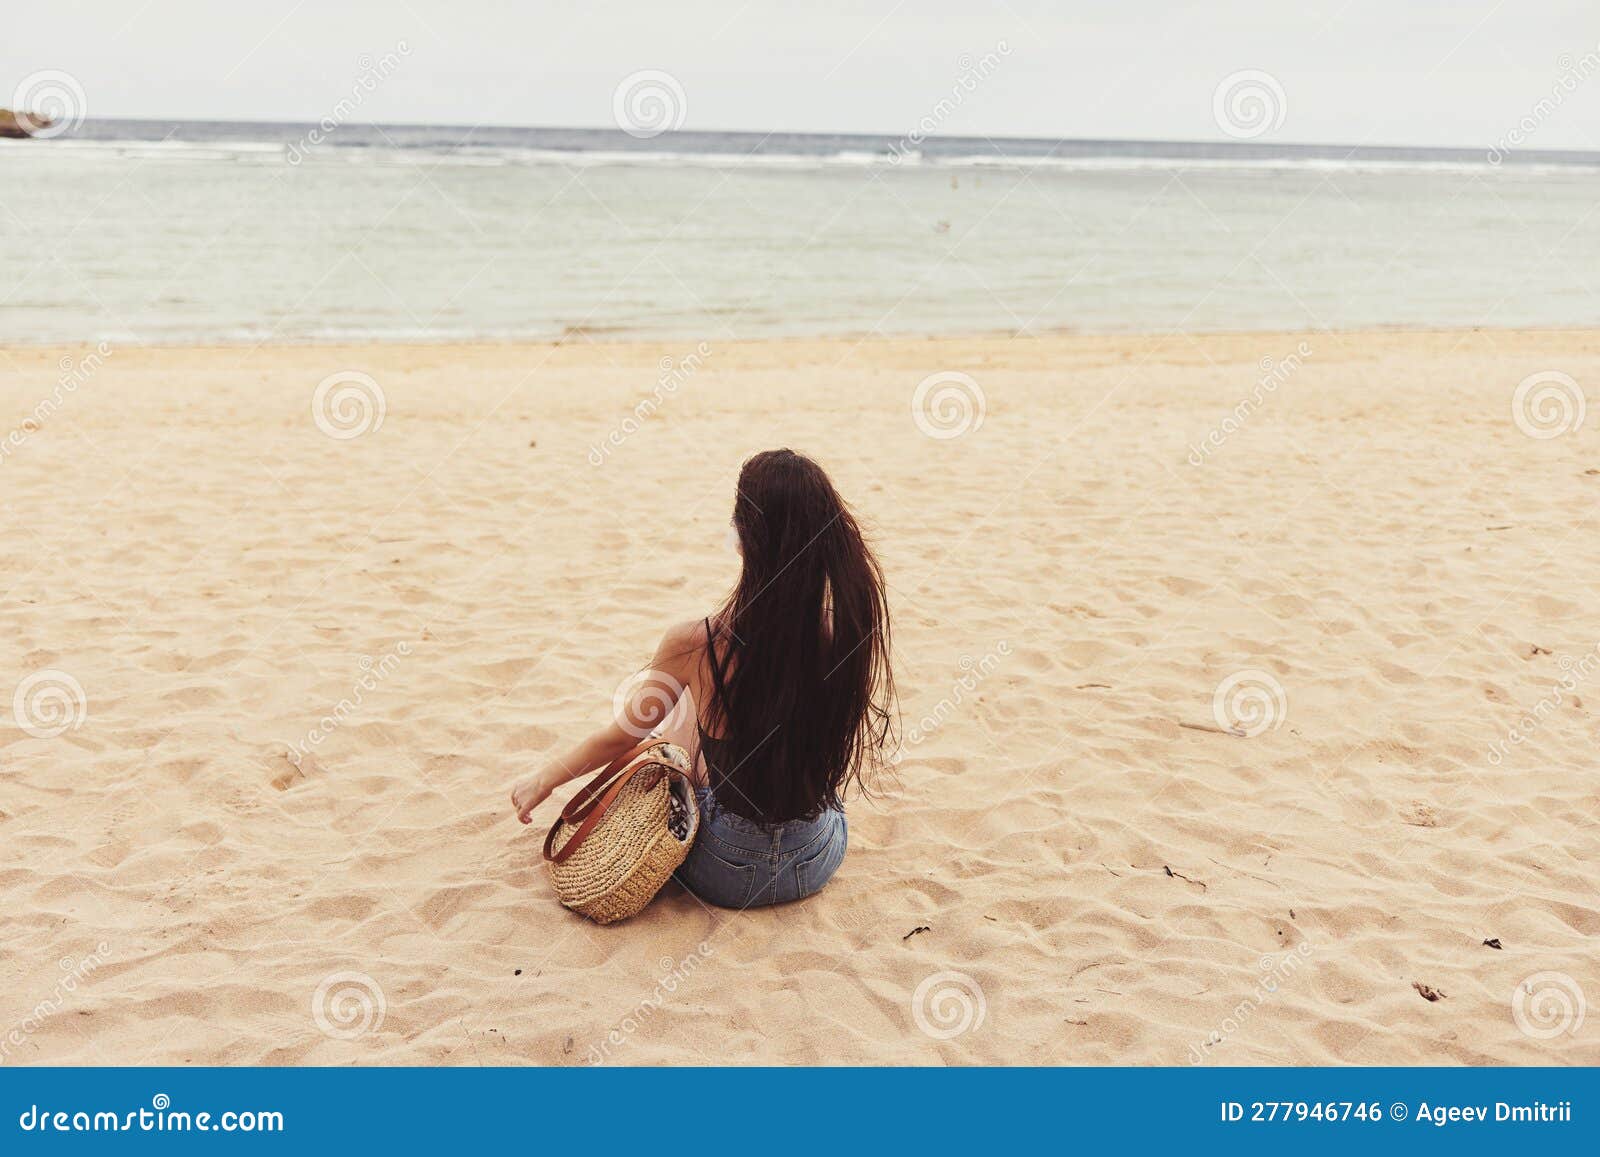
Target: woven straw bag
x=611 y=850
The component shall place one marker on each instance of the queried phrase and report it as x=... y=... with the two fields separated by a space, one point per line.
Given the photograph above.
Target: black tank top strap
x=711 y=653
x=709 y=746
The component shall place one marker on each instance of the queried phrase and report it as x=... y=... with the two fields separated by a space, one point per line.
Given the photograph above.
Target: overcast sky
x=1438 y=72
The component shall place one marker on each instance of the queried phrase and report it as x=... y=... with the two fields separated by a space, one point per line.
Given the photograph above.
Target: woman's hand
x=528 y=793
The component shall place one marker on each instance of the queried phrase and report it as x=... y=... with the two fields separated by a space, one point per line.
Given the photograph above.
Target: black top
x=708 y=745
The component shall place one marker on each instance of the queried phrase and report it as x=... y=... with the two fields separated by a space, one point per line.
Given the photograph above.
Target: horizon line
x=1244 y=146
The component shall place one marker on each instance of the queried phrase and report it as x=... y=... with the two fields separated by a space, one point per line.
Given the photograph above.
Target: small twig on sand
x=1181 y=876
x=914 y=931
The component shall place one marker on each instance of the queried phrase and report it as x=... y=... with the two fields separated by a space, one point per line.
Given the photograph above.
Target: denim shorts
x=738 y=863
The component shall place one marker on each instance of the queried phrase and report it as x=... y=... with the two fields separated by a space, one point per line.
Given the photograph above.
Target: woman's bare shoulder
x=682 y=646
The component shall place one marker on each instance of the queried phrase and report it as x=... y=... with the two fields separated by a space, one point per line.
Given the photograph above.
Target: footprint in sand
x=1419 y=815
x=289 y=770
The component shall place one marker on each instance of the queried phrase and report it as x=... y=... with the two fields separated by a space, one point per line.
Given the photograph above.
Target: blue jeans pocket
x=817 y=869
x=714 y=879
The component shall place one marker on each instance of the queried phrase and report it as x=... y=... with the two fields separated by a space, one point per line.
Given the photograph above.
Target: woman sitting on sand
x=794 y=692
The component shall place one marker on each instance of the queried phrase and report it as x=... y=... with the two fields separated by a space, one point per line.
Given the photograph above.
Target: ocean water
x=163 y=232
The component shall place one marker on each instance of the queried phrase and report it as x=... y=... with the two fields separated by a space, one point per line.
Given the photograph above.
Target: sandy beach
x=1210 y=690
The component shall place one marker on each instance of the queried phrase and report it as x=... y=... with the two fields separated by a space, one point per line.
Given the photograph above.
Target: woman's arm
x=653 y=695
x=593 y=753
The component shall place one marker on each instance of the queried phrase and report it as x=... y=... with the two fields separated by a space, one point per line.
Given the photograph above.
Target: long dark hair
x=803 y=694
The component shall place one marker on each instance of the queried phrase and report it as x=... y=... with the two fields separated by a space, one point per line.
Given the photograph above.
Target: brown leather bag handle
x=590 y=804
